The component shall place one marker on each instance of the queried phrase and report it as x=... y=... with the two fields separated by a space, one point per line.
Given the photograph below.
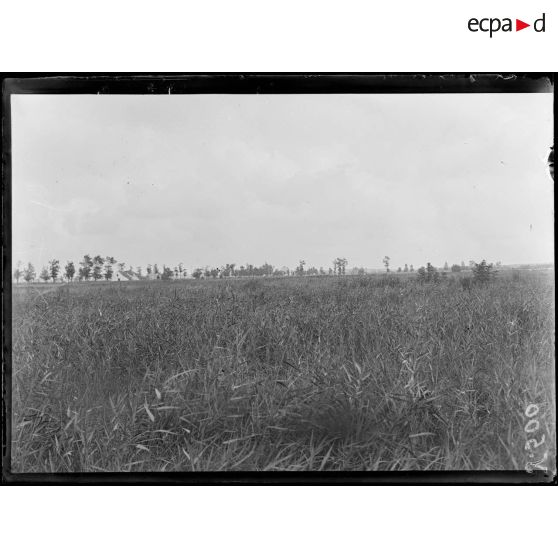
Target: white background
x=272 y=36
x=277 y=522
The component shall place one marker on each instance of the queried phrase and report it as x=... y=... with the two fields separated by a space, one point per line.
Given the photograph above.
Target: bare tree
x=109 y=262
x=386 y=263
x=69 y=271
x=18 y=272
x=339 y=265
x=86 y=266
x=45 y=275
x=98 y=262
x=54 y=269
x=29 y=273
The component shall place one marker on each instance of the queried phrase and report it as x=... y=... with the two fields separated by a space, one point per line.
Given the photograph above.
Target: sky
x=215 y=179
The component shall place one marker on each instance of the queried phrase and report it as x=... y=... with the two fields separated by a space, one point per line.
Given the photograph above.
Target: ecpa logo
x=494 y=24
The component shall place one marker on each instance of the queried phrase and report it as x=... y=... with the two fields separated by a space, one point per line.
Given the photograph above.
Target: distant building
x=128 y=275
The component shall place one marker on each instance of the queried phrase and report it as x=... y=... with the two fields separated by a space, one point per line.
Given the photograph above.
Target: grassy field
x=355 y=373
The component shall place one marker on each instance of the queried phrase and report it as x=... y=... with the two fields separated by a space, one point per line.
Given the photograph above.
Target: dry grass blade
x=180 y=374
x=149 y=413
x=239 y=439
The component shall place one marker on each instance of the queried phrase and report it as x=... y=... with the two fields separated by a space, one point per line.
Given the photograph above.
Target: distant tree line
x=102 y=268
x=98 y=268
x=483 y=272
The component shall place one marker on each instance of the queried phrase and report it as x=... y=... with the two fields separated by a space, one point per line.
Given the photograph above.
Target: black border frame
x=239 y=83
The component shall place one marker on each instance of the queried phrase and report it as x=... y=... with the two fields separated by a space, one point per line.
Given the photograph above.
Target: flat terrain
x=354 y=373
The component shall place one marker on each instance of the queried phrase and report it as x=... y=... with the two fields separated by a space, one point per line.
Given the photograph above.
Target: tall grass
x=354 y=373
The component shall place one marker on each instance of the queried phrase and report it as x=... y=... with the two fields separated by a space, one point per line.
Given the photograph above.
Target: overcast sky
x=214 y=179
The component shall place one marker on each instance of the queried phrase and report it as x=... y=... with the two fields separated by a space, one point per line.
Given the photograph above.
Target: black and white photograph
x=275 y=279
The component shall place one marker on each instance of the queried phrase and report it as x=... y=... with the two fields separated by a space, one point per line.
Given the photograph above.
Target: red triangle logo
x=519 y=25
